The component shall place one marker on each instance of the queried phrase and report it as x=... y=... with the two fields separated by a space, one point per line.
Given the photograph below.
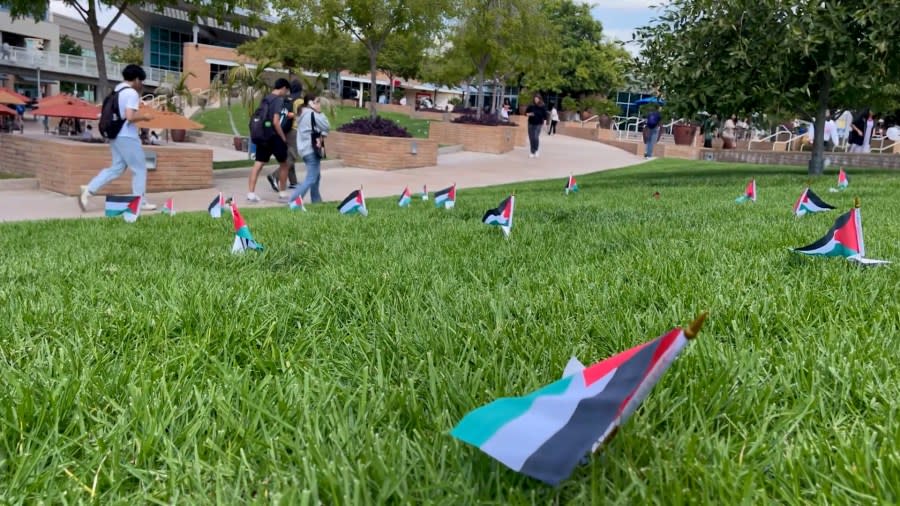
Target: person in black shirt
x=537 y=117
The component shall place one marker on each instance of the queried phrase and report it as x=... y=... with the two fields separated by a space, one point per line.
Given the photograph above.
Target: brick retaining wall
x=63 y=165
x=381 y=153
x=480 y=138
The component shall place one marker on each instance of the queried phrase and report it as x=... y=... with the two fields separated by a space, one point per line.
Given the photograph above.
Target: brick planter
x=72 y=163
x=479 y=138
x=381 y=153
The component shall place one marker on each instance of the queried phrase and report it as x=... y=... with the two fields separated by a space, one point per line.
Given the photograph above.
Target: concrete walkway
x=560 y=156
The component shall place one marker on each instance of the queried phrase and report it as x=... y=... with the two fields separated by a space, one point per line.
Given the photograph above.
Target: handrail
x=778 y=130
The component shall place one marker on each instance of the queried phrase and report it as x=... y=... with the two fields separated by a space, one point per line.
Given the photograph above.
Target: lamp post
x=38 y=82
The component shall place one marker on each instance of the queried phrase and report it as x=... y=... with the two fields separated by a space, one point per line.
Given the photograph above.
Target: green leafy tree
x=402 y=56
x=132 y=53
x=88 y=11
x=245 y=81
x=775 y=56
x=69 y=46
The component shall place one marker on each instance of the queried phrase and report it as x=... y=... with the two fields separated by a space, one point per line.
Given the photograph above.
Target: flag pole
x=856 y=202
x=695 y=326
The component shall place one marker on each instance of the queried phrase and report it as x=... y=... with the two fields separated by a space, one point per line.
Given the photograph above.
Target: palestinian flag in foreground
x=843 y=182
x=243 y=240
x=809 y=202
x=169 y=207
x=297 y=203
x=215 y=207
x=127 y=206
x=354 y=203
x=445 y=197
x=845 y=239
x=502 y=215
x=548 y=432
x=405 y=198
x=571 y=185
x=749 y=193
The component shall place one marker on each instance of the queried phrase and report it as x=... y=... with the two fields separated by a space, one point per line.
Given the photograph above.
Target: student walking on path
x=554 y=119
x=312 y=128
x=290 y=112
x=651 y=132
x=126 y=144
x=269 y=138
x=537 y=118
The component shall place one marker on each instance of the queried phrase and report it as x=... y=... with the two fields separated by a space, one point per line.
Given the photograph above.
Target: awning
x=33 y=79
x=365 y=80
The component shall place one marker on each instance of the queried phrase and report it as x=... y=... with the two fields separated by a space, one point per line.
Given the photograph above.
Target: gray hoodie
x=304 y=130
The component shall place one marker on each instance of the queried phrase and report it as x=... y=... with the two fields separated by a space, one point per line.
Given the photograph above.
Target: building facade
x=78 y=31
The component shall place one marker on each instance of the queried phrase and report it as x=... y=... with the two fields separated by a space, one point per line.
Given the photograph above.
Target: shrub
x=569 y=104
x=455 y=101
x=379 y=126
x=486 y=120
x=460 y=109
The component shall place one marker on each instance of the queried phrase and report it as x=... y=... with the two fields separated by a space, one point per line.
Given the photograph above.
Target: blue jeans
x=126 y=152
x=652 y=137
x=534 y=137
x=311 y=182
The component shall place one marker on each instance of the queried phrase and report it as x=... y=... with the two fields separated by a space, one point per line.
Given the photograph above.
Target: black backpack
x=111 y=121
x=261 y=129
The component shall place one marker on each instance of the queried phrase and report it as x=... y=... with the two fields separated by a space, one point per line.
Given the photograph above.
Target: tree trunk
x=817 y=161
x=373 y=112
x=479 y=101
x=102 y=79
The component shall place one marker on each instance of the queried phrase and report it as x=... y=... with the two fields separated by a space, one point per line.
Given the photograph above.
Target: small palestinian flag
x=502 y=216
x=169 y=207
x=445 y=197
x=297 y=203
x=809 y=202
x=547 y=433
x=215 y=207
x=424 y=192
x=749 y=193
x=355 y=203
x=243 y=240
x=571 y=185
x=845 y=239
x=405 y=198
x=126 y=206
x=843 y=182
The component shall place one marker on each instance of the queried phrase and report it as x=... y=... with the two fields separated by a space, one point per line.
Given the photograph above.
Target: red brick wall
x=62 y=165
x=381 y=153
x=858 y=160
x=480 y=138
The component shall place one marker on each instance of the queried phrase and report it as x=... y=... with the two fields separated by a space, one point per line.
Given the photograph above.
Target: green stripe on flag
x=480 y=425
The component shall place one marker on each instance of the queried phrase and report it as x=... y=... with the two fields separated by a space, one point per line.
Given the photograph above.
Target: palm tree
x=177 y=94
x=249 y=84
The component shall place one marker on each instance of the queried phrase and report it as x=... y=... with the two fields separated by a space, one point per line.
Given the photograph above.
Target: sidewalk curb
x=19 y=184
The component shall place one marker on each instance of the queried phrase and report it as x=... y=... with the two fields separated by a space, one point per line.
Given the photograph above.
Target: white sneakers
x=252 y=197
x=283 y=195
x=147 y=206
x=536 y=154
x=83 y=198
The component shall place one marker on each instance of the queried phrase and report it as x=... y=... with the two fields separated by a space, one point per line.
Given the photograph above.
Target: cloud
x=625 y=5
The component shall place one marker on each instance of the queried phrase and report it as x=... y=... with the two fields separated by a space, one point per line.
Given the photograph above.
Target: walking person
x=270 y=140
x=728 y=136
x=289 y=114
x=652 y=132
x=312 y=128
x=861 y=132
x=537 y=118
x=126 y=146
x=554 y=119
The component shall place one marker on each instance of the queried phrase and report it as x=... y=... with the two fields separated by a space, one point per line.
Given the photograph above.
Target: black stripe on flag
x=214 y=203
x=124 y=199
x=498 y=211
x=352 y=197
x=445 y=191
x=555 y=460
x=817 y=201
x=838 y=223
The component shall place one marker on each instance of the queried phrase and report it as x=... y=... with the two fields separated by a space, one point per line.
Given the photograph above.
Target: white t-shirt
x=554 y=116
x=128 y=99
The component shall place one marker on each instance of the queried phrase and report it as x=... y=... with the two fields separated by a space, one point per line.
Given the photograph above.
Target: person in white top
x=831 y=134
x=126 y=146
x=554 y=119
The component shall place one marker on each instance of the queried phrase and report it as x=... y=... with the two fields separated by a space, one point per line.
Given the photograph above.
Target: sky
x=619 y=17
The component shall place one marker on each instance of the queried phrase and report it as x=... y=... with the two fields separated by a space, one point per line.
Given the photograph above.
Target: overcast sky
x=619 y=17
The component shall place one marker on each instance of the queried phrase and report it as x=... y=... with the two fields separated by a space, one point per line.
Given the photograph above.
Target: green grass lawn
x=144 y=363
x=216 y=120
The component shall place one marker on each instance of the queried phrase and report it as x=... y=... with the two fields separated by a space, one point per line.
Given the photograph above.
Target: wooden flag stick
x=695 y=326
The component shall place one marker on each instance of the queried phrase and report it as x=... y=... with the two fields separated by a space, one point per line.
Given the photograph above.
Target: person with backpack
x=312 y=128
x=289 y=113
x=120 y=112
x=269 y=138
x=651 y=134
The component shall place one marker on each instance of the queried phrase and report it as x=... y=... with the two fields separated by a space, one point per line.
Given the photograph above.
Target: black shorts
x=273 y=147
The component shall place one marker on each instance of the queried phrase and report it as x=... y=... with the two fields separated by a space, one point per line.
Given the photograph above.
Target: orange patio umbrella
x=6 y=111
x=59 y=99
x=70 y=109
x=165 y=120
x=11 y=97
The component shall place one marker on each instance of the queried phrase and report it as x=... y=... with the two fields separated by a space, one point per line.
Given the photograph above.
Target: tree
x=132 y=53
x=88 y=10
x=248 y=82
x=402 y=56
x=371 y=22
x=69 y=46
x=774 y=56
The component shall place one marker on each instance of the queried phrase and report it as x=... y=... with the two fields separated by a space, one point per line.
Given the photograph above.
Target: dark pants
x=534 y=133
x=553 y=127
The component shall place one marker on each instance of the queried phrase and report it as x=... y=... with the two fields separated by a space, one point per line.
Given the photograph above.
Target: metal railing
x=77 y=65
x=771 y=138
